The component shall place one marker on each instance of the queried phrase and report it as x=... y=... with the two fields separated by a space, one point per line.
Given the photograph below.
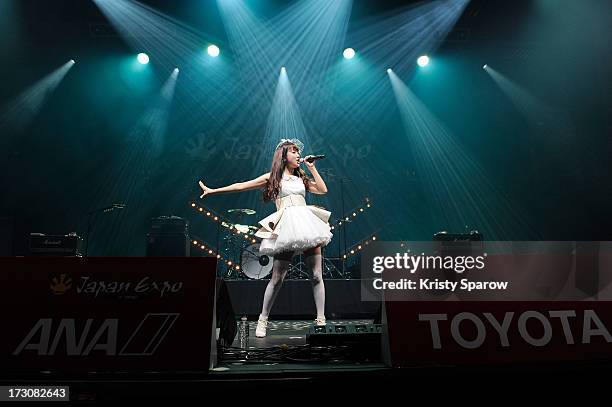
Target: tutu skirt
x=294 y=227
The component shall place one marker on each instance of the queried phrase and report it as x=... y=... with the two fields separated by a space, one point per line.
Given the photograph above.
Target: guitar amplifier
x=443 y=236
x=168 y=236
x=55 y=245
x=169 y=225
x=459 y=244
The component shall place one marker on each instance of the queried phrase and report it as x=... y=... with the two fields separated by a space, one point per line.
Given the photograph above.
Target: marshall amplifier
x=55 y=245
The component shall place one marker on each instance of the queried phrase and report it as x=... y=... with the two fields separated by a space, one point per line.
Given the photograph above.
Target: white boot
x=262 y=326
x=320 y=321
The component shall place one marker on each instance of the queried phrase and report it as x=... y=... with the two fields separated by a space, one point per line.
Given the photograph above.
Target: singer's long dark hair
x=273 y=185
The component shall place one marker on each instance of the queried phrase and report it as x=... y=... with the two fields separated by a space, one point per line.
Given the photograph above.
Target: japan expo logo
x=61 y=285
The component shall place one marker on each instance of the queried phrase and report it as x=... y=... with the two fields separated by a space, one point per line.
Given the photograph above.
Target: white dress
x=294 y=226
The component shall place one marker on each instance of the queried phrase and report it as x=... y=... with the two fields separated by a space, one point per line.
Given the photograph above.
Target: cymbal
x=244 y=228
x=241 y=228
x=245 y=211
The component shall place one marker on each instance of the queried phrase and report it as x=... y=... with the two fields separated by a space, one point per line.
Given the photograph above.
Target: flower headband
x=298 y=143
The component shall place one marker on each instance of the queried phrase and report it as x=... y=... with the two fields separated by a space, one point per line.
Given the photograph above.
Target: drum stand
x=297 y=271
x=330 y=270
x=232 y=273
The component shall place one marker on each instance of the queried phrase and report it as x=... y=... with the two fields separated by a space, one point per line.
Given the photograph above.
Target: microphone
x=313 y=158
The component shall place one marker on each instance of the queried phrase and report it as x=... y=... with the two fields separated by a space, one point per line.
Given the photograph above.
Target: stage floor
x=276 y=353
x=288 y=332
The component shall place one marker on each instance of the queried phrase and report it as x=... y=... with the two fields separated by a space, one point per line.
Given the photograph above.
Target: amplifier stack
x=168 y=237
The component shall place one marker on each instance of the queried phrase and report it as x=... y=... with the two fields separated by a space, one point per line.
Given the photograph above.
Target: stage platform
x=295 y=300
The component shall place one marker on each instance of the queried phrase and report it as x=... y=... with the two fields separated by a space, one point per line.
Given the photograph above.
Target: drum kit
x=253 y=264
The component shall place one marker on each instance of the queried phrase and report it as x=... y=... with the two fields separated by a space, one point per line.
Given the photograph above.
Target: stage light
x=72 y=61
x=213 y=50
x=423 y=61
x=485 y=66
x=389 y=70
x=283 y=70
x=176 y=70
x=349 y=53
x=143 y=58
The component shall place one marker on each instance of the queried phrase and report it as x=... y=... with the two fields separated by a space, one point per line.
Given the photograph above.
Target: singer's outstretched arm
x=255 y=183
x=316 y=185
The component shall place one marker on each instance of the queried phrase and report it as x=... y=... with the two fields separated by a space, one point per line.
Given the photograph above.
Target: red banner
x=497 y=332
x=107 y=314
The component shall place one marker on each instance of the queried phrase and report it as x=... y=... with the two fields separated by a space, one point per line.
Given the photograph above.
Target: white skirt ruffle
x=294 y=228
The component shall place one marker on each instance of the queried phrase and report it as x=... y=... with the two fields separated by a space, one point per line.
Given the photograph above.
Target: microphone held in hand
x=312 y=158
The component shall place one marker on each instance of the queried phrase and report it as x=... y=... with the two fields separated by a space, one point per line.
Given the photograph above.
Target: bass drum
x=255 y=265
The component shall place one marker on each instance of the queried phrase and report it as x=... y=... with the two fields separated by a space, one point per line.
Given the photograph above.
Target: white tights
x=314 y=262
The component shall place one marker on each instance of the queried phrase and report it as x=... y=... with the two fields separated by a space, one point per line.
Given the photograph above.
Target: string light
x=210 y=214
x=359 y=246
x=345 y=218
x=199 y=244
x=219 y=219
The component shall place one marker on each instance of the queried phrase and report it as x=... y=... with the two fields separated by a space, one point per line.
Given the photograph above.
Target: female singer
x=294 y=228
